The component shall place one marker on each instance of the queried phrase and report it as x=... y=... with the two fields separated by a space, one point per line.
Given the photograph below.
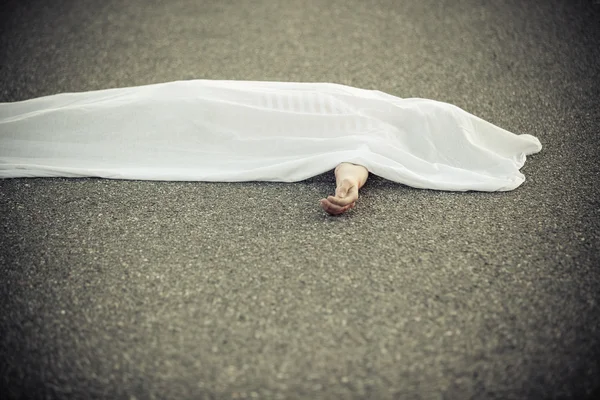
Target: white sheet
x=203 y=130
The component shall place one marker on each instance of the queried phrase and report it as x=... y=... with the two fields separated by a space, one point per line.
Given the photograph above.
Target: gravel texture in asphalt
x=133 y=289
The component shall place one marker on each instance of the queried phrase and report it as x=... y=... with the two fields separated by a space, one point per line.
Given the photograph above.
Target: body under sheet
x=204 y=130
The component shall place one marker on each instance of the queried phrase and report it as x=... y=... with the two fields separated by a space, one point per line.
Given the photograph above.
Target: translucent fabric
x=204 y=130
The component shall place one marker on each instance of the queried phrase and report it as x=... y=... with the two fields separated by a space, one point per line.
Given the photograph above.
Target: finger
x=340 y=202
x=333 y=209
x=350 y=198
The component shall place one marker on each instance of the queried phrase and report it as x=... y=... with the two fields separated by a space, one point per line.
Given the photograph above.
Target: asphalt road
x=130 y=289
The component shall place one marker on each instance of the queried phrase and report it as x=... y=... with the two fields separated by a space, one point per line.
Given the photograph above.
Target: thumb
x=343 y=189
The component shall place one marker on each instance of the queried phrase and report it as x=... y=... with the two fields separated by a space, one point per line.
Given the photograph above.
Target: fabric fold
x=206 y=130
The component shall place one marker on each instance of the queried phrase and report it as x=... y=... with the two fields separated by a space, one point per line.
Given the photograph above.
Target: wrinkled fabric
x=204 y=130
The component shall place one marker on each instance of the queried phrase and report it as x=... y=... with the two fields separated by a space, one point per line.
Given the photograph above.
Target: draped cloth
x=206 y=130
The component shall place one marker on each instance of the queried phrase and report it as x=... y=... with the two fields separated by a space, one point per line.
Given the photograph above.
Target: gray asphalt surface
x=130 y=289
